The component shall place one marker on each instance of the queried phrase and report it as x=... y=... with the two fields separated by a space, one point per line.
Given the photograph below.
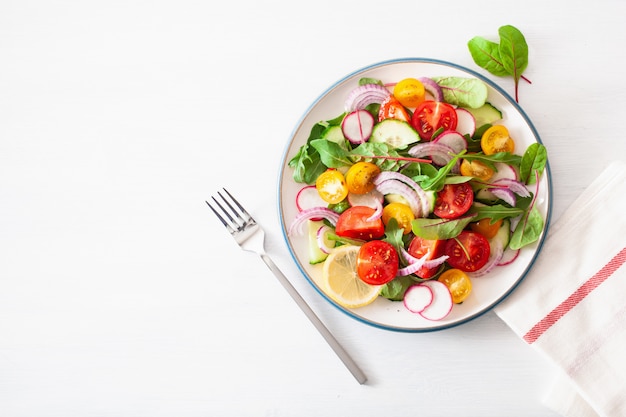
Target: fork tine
x=243 y=210
x=232 y=209
x=219 y=216
x=232 y=220
x=233 y=224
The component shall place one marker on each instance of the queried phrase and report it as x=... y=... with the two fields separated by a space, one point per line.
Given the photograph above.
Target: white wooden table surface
x=121 y=295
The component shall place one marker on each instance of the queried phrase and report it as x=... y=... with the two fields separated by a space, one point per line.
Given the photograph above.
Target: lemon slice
x=342 y=283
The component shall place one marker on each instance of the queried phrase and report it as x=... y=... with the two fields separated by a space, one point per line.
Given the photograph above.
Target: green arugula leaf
x=307 y=165
x=394 y=290
x=331 y=153
x=495 y=212
x=437 y=182
x=393 y=234
x=490 y=160
x=420 y=172
x=506 y=157
x=439 y=229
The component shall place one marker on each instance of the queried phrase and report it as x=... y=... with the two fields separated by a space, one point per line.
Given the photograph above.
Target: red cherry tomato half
x=377 y=262
x=392 y=109
x=454 y=200
x=353 y=223
x=419 y=247
x=431 y=116
x=469 y=251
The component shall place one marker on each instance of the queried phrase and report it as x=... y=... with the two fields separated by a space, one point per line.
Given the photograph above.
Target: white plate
x=488 y=290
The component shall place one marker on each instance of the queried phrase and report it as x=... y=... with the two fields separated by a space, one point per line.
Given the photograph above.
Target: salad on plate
x=414 y=191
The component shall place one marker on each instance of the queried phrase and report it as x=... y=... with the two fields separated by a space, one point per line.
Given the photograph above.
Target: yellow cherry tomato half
x=486 y=227
x=496 y=139
x=476 y=169
x=402 y=213
x=459 y=284
x=410 y=92
x=360 y=177
x=331 y=186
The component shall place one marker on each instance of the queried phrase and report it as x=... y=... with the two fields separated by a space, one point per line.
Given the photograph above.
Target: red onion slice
x=439 y=153
x=417 y=263
x=321 y=239
x=421 y=194
x=432 y=87
x=364 y=95
x=378 y=211
x=392 y=186
x=309 y=214
x=515 y=186
x=505 y=195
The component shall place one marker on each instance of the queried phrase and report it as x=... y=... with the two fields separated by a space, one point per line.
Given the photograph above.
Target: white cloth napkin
x=572 y=305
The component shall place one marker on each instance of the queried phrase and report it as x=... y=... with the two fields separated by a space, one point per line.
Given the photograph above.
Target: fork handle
x=330 y=339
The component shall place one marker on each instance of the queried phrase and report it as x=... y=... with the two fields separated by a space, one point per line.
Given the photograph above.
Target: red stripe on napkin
x=576 y=297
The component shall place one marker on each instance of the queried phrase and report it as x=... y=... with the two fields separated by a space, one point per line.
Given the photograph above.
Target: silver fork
x=251 y=237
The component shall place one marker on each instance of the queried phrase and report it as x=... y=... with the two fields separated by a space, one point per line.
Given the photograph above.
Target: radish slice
x=442 y=302
x=417 y=297
x=357 y=126
x=504 y=171
x=308 y=197
x=453 y=139
x=432 y=88
x=364 y=95
x=466 y=122
x=508 y=256
x=372 y=199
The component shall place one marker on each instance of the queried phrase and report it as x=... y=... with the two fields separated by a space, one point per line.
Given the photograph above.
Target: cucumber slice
x=395 y=198
x=316 y=255
x=334 y=134
x=486 y=114
x=398 y=134
x=432 y=198
x=501 y=238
